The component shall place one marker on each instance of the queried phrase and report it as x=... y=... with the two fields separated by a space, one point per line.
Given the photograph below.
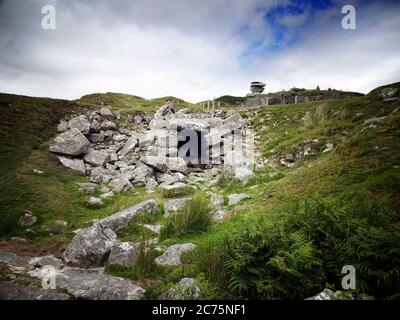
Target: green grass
x=194 y=217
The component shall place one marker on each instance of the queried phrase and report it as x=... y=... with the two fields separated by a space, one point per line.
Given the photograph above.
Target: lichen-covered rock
x=81 y=123
x=93 y=284
x=97 y=157
x=185 y=289
x=72 y=143
x=73 y=164
x=90 y=246
x=121 y=183
x=172 y=256
x=123 y=253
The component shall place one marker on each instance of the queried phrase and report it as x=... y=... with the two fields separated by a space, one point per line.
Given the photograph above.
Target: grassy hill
x=289 y=241
x=131 y=103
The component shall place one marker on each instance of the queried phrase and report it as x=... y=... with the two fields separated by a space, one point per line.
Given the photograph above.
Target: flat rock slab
x=16 y=291
x=13 y=261
x=235 y=198
x=173 y=205
x=93 y=284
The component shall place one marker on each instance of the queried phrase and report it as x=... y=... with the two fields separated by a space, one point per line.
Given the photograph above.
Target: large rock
x=97 y=157
x=72 y=143
x=93 y=284
x=165 y=164
x=74 y=164
x=190 y=124
x=101 y=175
x=173 y=205
x=90 y=246
x=165 y=111
x=172 y=256
x=81 y=123
x=121 y=219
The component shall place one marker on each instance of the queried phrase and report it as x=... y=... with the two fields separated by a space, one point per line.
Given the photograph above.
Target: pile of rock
x=110 y=153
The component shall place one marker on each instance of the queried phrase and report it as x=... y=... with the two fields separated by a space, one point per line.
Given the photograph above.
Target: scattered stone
x=374 y=120
x=88 y=188
x=156 y=228
x=219 y=215
x=19 y=239
x=106 y=112
x=38 y=172
x=74 y=164
x=329 y=147
x=236 y=198
x=151 y=184
x=217 y=200
x=173 y=205
x=186 y=289
x=27 y=219
x=107 y=195
x=95 y=202
x=172 y=256
x=62 y=126
x=123 y=253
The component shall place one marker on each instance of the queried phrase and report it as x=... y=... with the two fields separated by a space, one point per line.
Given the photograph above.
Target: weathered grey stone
x=108 y=125
x=172 y=256
x=95 y=127
x=217 y=200
x=167 y=110
x=16 y=291
x=142 y=174
x=93 y=284
x=101 y=175
x=151 y=184
x=72 y=143
x=166 y=178
x=164 y=164
x=121 y=219
x=156 y=228
x=38 y=172
x=121 y=183
x=123 y=253
x=185 y=289
x=173 y=205
x=62 y=126
x=106 y=112
x=27 y=219
x=90 y=246
x=95 y=202
x=107 y=195
x=174 y=186
x=81 y=123
x=74 y=164
x=189 y=124
x=88 y=188
x=14 y=261
x=97 y=137
x=374 y=120
x=235 y=198
x=129 y=146
x=39 y=262
x=389 y=94
x=326 y=294
x=219 y=215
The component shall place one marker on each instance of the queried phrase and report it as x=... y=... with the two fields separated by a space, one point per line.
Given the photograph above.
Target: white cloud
x=187 y=49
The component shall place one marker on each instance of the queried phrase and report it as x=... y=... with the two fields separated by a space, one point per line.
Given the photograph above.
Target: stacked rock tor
x=100 y=145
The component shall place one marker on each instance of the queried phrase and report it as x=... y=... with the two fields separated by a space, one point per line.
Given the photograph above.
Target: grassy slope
x=365 y=161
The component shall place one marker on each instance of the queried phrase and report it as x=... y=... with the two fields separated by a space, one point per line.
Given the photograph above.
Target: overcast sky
x=194 y=49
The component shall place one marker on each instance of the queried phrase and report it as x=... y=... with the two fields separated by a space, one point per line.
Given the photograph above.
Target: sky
x=195 y=50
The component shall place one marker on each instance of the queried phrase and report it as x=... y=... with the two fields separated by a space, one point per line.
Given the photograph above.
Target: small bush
x=194 y=217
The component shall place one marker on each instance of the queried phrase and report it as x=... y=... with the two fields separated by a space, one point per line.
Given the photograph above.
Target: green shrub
x=194 y=217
